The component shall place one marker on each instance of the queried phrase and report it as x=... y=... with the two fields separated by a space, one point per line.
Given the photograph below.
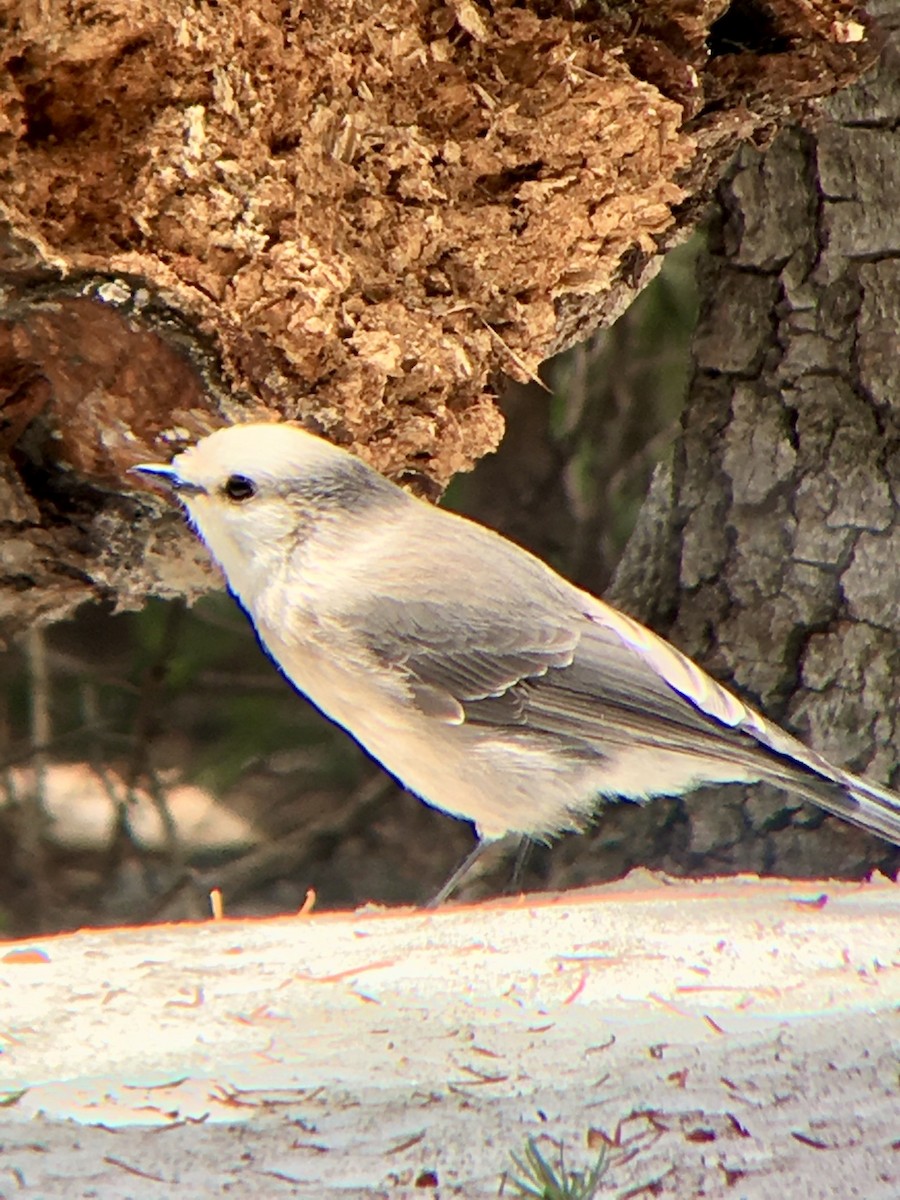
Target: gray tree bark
x=772 y=552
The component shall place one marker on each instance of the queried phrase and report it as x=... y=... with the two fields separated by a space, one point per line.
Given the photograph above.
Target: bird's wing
x=454 y=659
x=510 y=643
x=702 y=691
x=555 y=670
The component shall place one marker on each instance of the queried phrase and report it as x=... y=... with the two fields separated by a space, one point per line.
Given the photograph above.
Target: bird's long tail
x=869 y=805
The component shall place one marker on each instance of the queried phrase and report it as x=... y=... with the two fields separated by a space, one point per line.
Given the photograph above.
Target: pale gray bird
x=487 y=684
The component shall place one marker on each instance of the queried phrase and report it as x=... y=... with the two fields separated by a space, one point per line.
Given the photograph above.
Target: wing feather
x=560 y=676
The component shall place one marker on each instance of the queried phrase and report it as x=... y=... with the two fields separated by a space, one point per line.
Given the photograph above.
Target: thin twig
x=32 y=809
x=28 y=750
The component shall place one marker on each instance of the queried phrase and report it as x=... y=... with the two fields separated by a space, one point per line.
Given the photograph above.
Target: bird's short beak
x=168 y=475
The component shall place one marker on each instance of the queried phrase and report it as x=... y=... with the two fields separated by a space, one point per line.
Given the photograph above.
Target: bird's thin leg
x=523 y=853
x=460 y=873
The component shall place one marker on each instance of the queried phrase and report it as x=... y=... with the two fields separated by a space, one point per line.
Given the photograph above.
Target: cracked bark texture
x=358 y=214
x=784 y=502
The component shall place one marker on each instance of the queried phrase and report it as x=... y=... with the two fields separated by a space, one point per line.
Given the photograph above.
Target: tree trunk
x=783 y=504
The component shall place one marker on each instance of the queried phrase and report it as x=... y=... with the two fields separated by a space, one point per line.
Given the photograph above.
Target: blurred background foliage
x=149 y=757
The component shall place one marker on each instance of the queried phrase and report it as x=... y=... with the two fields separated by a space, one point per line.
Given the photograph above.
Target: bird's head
x=253 y=492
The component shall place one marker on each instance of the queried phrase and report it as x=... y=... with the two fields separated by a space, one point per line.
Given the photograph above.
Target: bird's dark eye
x=238 y=488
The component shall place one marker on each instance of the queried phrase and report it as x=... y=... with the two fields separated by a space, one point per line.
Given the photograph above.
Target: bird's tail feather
x=861 y=801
